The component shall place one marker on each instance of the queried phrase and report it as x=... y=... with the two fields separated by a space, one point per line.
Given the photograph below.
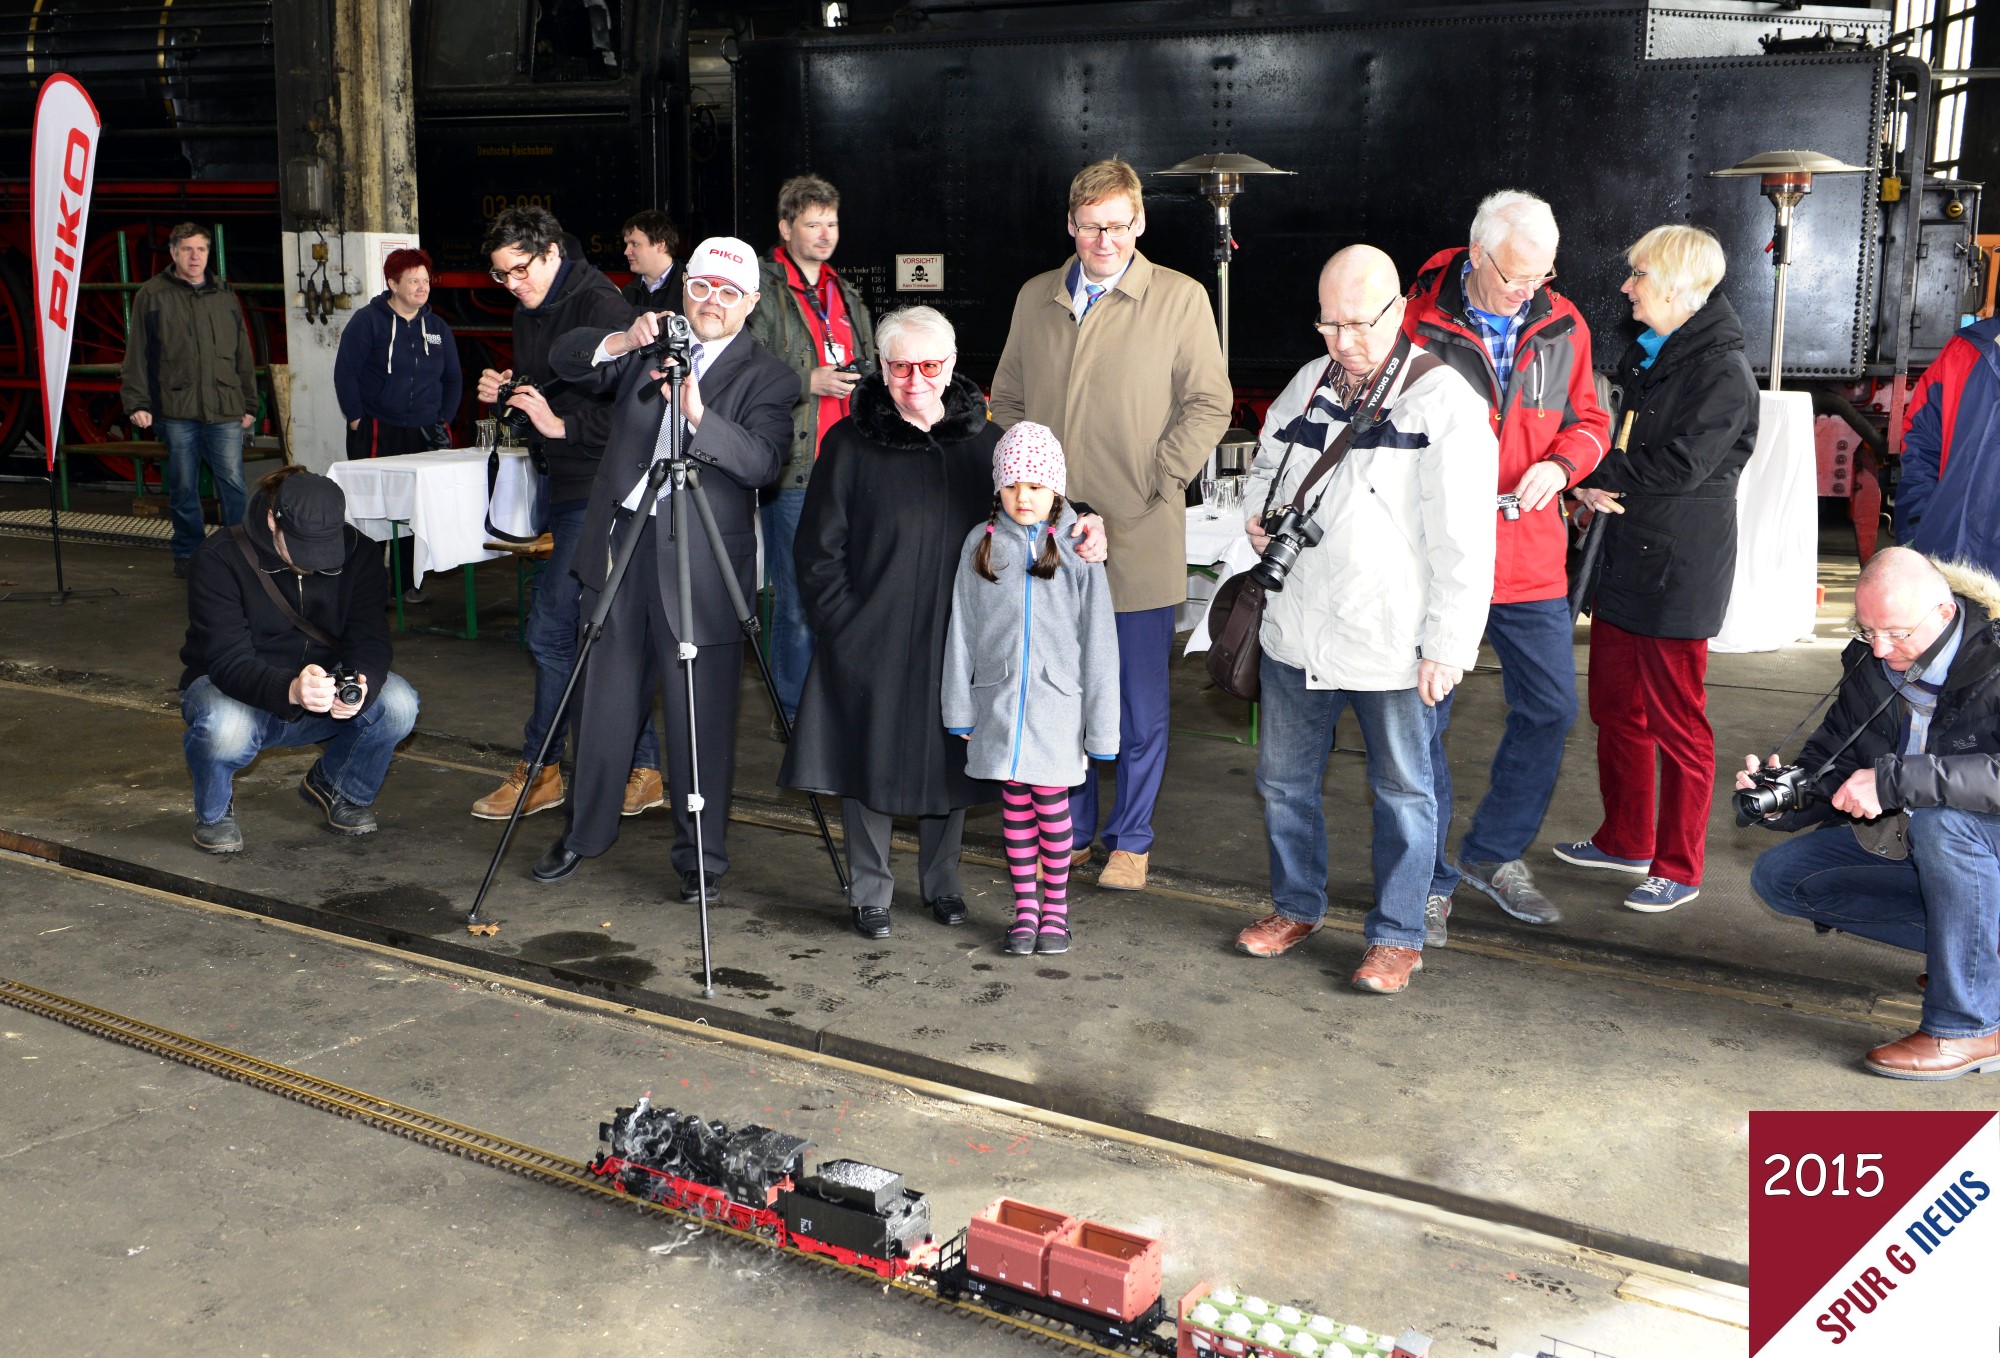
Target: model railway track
x=471 y=1143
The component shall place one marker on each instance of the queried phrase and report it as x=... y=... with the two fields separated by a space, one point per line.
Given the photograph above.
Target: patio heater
x=1219 y=178
x=1784 y=177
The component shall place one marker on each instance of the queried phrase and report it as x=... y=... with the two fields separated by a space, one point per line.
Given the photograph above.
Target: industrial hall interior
x=1142 y=676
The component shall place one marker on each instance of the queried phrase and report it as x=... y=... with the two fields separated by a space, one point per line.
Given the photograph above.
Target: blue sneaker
x=1658 y=894
x=1587 y=855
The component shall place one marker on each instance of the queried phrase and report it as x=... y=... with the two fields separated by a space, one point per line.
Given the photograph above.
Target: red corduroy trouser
x=1648 y=699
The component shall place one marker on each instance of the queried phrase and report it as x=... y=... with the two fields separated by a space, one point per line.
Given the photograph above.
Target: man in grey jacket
x=190 y=373
x=1383 y=615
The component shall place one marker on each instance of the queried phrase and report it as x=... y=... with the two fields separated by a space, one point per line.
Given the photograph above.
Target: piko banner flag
x=65 y=163
x=1874 y=1233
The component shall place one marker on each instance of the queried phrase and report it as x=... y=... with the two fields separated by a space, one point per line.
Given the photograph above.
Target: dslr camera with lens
x=675 y=339
x=1772 y=791
x=1294 y=531
x=512 y=416
x=347 y=690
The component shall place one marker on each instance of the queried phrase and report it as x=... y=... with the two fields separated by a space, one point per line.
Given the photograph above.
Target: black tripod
x=685 y=475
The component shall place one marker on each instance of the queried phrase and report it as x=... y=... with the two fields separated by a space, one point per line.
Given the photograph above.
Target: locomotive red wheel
x=19 y=392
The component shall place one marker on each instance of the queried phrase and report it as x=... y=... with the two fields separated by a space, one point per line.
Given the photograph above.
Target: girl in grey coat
x=1031 y=673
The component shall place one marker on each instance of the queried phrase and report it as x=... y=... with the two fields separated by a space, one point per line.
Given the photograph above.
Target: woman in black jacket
x=1669 y=556
x=898 y=485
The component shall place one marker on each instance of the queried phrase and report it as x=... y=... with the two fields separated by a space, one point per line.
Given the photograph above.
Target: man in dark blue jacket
x=1908 y=846
x=275 y=607
x=1950 y=474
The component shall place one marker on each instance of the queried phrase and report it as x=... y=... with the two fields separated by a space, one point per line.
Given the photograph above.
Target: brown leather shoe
x=499 y=803
x=1124 y=871
x=643 y=792
x=1386 y=970
x=1274 y=935
x=1923 y=1057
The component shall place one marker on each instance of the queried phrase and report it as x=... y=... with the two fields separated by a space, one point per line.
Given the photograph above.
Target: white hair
x=1513 y=213
x=1686 y=262
x=915 y=320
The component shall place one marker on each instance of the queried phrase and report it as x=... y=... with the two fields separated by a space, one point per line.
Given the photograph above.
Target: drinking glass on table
x=1209 y=507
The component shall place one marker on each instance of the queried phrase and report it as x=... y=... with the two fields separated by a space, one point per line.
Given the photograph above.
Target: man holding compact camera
x=567 y=426
x=288 y=644
x=1375 y=470
x=1488 y=311
x=736 y=409
x=1903 y=781
x=814 y=321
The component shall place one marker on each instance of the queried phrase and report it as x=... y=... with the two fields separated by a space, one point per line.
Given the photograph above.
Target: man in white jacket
x=1382 y=615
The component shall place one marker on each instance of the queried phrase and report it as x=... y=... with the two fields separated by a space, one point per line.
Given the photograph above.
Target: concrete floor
x=1522 y=1075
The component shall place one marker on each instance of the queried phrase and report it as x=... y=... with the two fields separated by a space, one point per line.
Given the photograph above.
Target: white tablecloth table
x=440 y=500
x=1216 y=549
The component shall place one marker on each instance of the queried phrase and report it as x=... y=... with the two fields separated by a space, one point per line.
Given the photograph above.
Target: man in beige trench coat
x=1120 y=358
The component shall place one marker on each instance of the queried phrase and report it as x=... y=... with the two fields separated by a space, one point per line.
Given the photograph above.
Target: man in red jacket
x=1488 y=312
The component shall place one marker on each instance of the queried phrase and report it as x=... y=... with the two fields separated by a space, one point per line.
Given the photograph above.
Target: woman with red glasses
x=898 y=485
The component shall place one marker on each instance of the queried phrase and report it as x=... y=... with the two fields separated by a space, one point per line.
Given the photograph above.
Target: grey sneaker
x=219 y=836
x=1436 y=911
x=1513 y=887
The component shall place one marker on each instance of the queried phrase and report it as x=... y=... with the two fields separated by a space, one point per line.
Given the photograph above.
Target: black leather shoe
x=557 y=863
x=872 y=921
x=691 y=887
x=948 y=909
x=342 y=816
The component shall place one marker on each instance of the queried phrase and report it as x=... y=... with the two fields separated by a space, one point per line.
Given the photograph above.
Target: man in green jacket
x=190 y=374
x=816 y=323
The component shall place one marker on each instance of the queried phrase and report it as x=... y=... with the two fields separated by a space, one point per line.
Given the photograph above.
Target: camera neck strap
x=1365 y=416
x=1920 y=664
x=242 y=540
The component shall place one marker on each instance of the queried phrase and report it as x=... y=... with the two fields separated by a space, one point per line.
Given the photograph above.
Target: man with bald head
x=1905 y=789
x=1382 y=610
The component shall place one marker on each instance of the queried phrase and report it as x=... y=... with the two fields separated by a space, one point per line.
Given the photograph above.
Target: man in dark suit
x=736 y=405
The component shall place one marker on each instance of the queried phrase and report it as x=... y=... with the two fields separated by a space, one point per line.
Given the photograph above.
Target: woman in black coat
x=1669 y=556
x=898 y=485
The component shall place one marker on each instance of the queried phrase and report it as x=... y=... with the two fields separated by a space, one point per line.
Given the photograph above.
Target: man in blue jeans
x=1908 y=807
x=190 y=375
x=1485 y=308
x=555 y=292
x=275 y=608
x=1380 y=614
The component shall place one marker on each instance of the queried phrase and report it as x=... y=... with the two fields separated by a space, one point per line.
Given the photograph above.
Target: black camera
x=1294 y=531
x=1771 y=791
x=1510 y=507
x=857 y=365
x=675 y=339
x=511 y=416
x=347 y=690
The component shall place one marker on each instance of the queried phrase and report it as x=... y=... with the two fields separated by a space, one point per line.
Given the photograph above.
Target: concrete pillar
x=348 y=190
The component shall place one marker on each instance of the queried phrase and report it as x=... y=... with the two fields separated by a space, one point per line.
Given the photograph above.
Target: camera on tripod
x=512 y=416
x=347 y=689
x=675 y=339
x=1772 y=791
x=1294 y=531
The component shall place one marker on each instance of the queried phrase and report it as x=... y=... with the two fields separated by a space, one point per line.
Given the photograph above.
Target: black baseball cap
x=312 y=513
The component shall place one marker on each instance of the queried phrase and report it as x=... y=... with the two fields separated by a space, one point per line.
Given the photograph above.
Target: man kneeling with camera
x=1908 y=846
x=288 y=644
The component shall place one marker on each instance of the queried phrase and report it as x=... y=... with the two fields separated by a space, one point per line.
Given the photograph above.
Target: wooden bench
x=143 y=453
x=529 y=559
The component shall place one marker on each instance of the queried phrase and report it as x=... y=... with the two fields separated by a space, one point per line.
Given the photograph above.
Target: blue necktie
x=1091 y=292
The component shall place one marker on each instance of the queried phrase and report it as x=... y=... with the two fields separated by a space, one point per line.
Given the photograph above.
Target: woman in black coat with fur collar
x=898 y=485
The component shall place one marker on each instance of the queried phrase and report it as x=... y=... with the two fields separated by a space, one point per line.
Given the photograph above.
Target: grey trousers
x=871 y=883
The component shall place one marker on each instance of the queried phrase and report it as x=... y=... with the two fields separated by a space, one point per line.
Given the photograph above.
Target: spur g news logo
x=69 y=225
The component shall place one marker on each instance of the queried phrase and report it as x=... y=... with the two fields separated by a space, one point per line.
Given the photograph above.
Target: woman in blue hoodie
x=397 y=373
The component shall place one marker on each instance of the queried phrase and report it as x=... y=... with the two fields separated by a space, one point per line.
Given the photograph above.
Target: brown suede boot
x=499 y=803
x=1124 y=871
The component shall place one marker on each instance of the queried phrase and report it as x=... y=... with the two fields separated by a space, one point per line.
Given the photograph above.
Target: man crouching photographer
x=288 y=644
x=1903 y=781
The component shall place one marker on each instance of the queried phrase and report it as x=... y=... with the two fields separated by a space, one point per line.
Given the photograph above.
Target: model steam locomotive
x=1013 y=1258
